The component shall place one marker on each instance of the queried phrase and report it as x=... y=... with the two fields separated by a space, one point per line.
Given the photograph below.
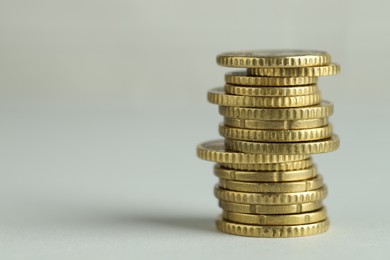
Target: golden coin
x=276 y=125
x=270 y=209
x=285 y=198
x=273 y=58
x=327 y=70
x=273 y=187
x=300 y=135
x=272 y=231
x=322 y=146
x=325 y=109
x=271 y=91
x=265 y=176
x=215 y=151
x=219 y=97
x=242 y=78
x=282 y=166
x=289 y=219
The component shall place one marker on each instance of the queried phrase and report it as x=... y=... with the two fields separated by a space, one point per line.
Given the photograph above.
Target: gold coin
x=265 y=176
x=273 y=187
x=325 y=109
x=215 y=151
x=270 y=209
x=327 y=70
x=276 y=125
x=271 y=91
x=268 y=220
x=285 y=198
x=300 y=135
x=273 y=58
x=282 y=166
x=219 y=97
x=242 y=78
x=272 y=231
x=322 y=146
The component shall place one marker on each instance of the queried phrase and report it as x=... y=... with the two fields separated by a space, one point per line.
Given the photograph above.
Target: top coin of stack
x=274 y=119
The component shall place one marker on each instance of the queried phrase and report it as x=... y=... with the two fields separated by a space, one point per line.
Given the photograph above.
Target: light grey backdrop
x=103 y=102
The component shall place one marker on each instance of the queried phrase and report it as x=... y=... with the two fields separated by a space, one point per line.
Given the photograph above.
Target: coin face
x=273 y=58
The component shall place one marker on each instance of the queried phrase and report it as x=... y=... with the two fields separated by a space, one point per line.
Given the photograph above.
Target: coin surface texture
x=328 y=70
x=270 y=209
x=285 y=198
x=312 y=147
x=281 y=166
x=215 y=151
x=219 y=97
x=273 y=187
x=272 y=231
x=265 y=176
x=242 y=78
x=324 y=109
x=271 y=91
x=276 y=125
x=273 y=58
x=288 y=219
x=290 y=135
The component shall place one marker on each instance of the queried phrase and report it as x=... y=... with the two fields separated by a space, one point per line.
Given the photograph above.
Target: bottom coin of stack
x=280 y=203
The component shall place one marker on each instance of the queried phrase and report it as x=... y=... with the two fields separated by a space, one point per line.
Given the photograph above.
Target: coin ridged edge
x=328 y=70
x=241 y=78
x=219 y=97
x=265 y=176
x=276 y=219
x=273 y=187
x=270 y=209
x=325 y=109
x=240 y=61
x=205 y=152
x=322 y=146
x=272 y=231
x=270 y=198
x=282 y=166
x=271 y=91
x=290 y=135
x=275 y=125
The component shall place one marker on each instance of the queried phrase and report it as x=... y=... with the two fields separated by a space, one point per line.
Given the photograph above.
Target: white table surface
x=126 y=184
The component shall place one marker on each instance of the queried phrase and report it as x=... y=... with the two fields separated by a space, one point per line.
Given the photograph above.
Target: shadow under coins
x=201 y=224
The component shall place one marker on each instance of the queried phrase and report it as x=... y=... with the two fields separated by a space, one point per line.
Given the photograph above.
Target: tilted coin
x=219 y=97
x=271 y=91
x=313 y=147
x=324 y=109
x=282 y=166
x=265 y=176
x=284 y=198
x=289 y=219
x=242 y=78
x=273 y=58
x=300 y=135
x=272 y=187
x=272 y=231
x=215 y=151
x=276 y=125
x=270 y=209
x=328 y=70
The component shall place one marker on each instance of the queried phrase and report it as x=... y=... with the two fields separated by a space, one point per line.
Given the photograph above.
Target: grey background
x=102 y=104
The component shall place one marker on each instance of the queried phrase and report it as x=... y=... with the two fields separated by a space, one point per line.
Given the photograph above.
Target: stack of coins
x=274 y=119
